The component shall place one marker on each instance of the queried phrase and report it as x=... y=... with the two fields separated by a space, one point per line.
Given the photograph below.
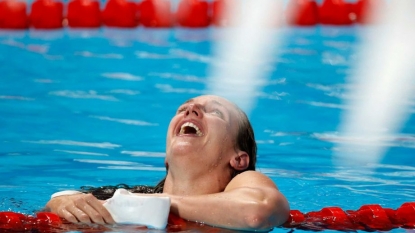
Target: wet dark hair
x=107 y=191
x=245 y=141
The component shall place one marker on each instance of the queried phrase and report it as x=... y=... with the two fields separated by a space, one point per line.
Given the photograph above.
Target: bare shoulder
x=251 y=179
x=254 y=187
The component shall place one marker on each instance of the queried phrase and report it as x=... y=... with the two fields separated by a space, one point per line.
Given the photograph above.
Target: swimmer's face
x=202 y=134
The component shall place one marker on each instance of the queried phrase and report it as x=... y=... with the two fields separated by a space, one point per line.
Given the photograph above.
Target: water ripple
x=36 y=48
x=377 y=193
x=83 y=95
x=265 y=141
x=95 y=55
x=168 y=88
x=397 y=140
x=81 y=152
x=277 y=81
x=336 y=90
x=15 y=97
x=44 y=81
x=343 y=45
x=324 y=105
x=125 y=121
x=359 y=176
x=191 y=56
x=390 y=166
x=334 y=59
x=302 y=52
x=144 y=153
x=139 y=168
x=274 y=172
x=187 y=78
x=125 y=92
x=13 y=43
x=110 y=162
x=122 y=76
x=146 y=55
x=272 y=96
x=105 y=145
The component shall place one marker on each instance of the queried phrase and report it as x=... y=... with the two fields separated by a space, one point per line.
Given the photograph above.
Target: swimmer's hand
x=83 y=208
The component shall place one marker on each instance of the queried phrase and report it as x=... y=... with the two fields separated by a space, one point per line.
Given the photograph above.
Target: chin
x=182 y=148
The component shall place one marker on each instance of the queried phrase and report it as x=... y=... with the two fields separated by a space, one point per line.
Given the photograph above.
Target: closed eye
x=217 y=112
x=181 y=109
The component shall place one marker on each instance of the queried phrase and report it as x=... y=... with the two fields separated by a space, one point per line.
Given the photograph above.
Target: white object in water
x=128 y=208
x=65 y=193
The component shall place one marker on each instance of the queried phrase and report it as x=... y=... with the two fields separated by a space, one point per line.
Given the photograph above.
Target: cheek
x=171 y=127
x=169 y=133
x=224 y=135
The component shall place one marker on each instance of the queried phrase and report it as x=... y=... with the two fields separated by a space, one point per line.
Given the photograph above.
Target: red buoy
x=336 y=12
x=175 y=223
x=372 y=217
x=336 y=219
x=46 y=14
x=193 y=13
x=13 y=14
x=219 y=8
x=48 y=219
x=363 y=10
x=302 y=13
x=84 y=14
x=406 y=214
x=155 y=13
x=120 y=13
x=295 y=219
x=10 y=221
x=368 y=218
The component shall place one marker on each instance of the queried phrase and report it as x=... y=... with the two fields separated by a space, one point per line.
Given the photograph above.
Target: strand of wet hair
x=107 y=191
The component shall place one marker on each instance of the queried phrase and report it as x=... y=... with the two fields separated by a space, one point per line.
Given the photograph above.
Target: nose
x=193 y=109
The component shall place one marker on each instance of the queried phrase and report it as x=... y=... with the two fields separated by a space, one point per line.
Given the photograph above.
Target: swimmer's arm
x=251 y=201
x=83 y=208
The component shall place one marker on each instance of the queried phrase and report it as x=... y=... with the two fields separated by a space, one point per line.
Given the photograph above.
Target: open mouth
x=189 y=128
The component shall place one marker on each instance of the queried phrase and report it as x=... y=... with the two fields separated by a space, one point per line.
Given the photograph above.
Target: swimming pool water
x=91 y=107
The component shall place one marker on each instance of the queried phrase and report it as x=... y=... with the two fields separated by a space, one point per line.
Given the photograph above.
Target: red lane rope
x=367 y=218
x=49 y=14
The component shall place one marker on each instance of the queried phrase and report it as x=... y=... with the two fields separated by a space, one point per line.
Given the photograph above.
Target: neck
x=180 y=183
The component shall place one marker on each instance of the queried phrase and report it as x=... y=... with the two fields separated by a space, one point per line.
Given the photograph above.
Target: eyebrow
x=214 y=101
x=218 y=103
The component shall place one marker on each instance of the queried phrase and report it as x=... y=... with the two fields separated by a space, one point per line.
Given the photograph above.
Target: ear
x=240 y=161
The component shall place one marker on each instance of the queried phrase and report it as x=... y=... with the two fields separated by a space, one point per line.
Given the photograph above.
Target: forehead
x=211 y=99
x=215 y=100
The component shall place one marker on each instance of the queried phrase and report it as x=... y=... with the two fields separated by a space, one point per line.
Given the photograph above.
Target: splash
x=382 y=87
x=244 y=51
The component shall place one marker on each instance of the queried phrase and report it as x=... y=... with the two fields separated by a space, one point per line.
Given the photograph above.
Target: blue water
x=92 y=108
